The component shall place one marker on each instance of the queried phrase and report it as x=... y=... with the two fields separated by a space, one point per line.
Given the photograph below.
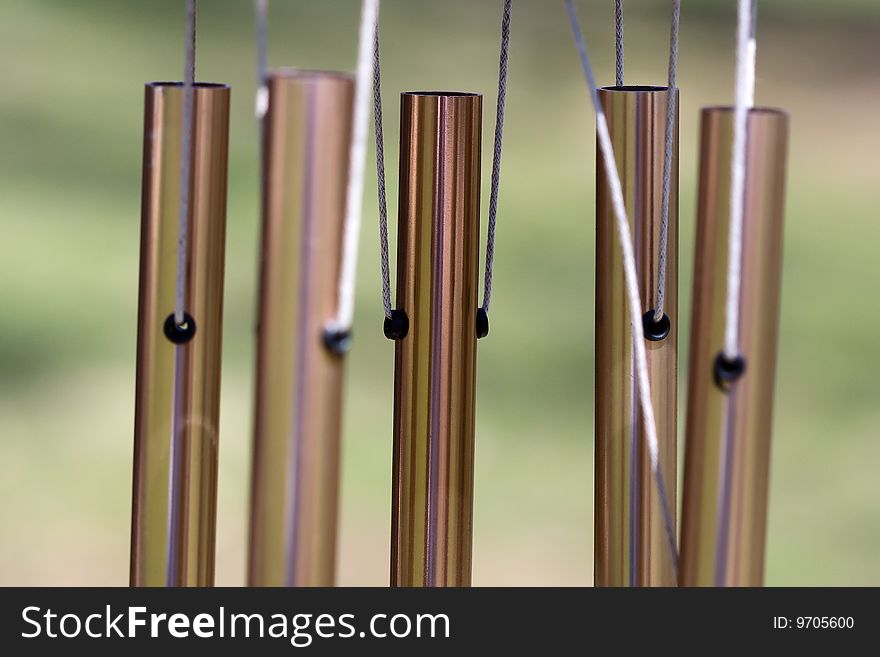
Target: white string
x=189 y=76
x=745 y=99
x=356 y=165
x=261 y=102
x=631 y=279
x=496 y=155
x=667 y=161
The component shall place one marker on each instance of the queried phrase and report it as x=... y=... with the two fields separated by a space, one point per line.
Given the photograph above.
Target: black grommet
x=337 y=342
x=727 y=371
x=397 y=326
x=482 y=323
x=655 y=330
x=180 y=333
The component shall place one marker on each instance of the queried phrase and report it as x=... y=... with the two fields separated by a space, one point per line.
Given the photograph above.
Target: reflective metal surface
x=435 y=365
x=723 y=537
x=295 y=478
x=631 y=546
x=178 y=386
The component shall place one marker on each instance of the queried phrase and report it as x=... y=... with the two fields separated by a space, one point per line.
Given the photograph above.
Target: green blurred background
x=71 y=103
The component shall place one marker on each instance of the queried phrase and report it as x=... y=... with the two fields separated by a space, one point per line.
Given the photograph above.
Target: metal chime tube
x=295 y=479
x=435 y=364
x=631 y=544
x=177 y=401
x=728 y=431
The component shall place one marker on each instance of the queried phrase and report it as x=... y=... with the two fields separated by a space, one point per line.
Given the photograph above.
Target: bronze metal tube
x=631 y=544
x=435 y=364
x=723 y=534
x=177 y=400
x=296 y=449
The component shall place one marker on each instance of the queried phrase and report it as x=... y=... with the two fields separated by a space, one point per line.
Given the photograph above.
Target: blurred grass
x=70 y=152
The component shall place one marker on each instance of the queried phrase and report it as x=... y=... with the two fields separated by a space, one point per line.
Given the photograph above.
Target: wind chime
x=734 y=332
x=436 y=322
x=314 y=133
x=180 y=313
x=739 y=227
x=313 y=128
x=631 y=537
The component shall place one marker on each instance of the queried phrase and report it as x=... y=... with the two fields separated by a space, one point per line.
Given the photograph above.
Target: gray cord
x=174 y=465
x=496 y=156
x=496 y=166
x=667 y=161
x=189 y=76
x=618 y=42
x=380 y=178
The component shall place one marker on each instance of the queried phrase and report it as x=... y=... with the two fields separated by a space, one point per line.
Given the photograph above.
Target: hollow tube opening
x=293 y=73
x=442 y=94
x=197 y=85
x=729 y=109
x=646 y=88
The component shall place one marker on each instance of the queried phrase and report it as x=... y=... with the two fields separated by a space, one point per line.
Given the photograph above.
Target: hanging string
x=496 y=155
x=380 y=178
x=356 y=163
x=175 y=484
x=745 y=99
x=189 y=76
x=618 y=42
x=261 y=102
x=496 y=166
x=631 y=280
x=667 y=161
